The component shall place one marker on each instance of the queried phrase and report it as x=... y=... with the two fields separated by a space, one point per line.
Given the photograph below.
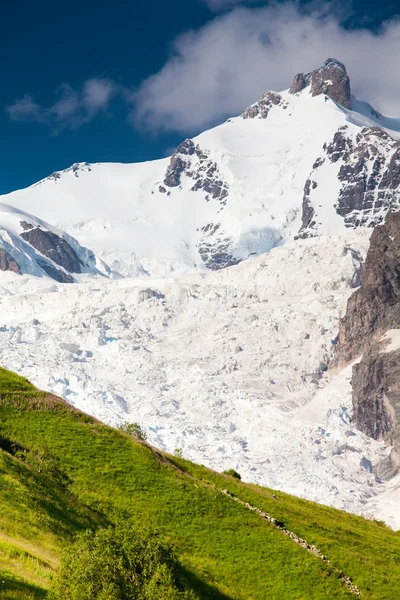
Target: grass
x=227 y=551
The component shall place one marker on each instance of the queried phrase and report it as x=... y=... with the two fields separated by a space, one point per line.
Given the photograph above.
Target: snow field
x=229 y=366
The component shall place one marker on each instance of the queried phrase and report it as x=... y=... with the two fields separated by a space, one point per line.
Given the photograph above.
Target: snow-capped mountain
x=294 y=163
x=229 y=364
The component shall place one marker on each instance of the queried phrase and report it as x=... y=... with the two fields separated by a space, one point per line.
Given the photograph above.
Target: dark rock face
x=215 y=249
x=370 y=177
x=176 y=167
x=369 y=174
x=340 y=147
x=53 y=247
x=300 y=82
x=54 y=273
x=264 y=105
x=331 y=80
x=376 y=394
x=54 y=176
x=7 y=263
x=78 y=168
x=26 y=226
x=207 y=179
x=371 y=311
x=308 y=222
x=375 y=306
x=198 y=167
x=194 y=163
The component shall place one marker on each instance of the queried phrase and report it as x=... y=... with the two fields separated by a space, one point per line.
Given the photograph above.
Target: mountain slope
x=29 y=246
x=229 y=551
x=225 y=363
x=236 y=190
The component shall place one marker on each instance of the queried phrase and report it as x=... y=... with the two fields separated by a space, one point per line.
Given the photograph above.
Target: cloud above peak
x=218 y=70
x=72 y=108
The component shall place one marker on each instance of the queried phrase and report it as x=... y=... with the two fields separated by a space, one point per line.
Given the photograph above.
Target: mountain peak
x=331 y=79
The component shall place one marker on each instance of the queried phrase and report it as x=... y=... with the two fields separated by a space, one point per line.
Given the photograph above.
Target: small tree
x=134 y=430
x=120 y=563
x=178 y=452
x=232 y=473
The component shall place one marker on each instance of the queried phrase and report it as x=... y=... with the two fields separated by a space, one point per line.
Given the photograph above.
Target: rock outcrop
x=191 y=161
x=368 y=169
x=331 y=80
x=215 y=248
x=375 y=307
x=376 y=393
x=53 y=247
x=56 y=274
x=261 y=108
x=7 y=263
x=373 y=311
x=308 y=222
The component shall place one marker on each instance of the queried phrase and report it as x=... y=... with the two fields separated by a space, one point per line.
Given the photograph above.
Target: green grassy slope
x=228 y=551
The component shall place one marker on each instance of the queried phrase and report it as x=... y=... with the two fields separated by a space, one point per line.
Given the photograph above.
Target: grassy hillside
x=62 y=471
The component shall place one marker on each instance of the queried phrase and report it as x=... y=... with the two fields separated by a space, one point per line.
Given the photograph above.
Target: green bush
x=134 y=430
x=120 y=562
x=232 y=473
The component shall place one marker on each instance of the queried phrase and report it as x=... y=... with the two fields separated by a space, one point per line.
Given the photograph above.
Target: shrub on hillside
x=232 y=473
x=134 y=430
x=120 y=563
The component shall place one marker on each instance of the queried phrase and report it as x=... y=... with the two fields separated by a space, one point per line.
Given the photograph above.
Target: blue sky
x=126 y=81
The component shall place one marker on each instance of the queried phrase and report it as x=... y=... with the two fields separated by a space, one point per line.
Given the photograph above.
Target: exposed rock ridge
x=191 y=161
x=215 y=248
x=261 y=108
x=369 y=175
x=375 y=306
x=371 y=311
x=53 y=247
x=331 y=80
x=56 y=274
x=7 y=263
x=76 y=169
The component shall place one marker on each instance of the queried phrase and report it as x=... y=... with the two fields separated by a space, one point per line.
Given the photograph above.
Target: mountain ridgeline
x=308 y=161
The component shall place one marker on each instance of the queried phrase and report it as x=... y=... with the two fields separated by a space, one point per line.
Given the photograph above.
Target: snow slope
x=229 y=366
x=119 y=211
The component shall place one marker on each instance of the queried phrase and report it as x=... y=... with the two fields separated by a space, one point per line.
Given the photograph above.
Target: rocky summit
x=331 y=80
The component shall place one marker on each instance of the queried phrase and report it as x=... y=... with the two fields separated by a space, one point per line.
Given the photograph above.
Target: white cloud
x=96 y=94
x=72 y=109
x=25 y=109
x=226 y=65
